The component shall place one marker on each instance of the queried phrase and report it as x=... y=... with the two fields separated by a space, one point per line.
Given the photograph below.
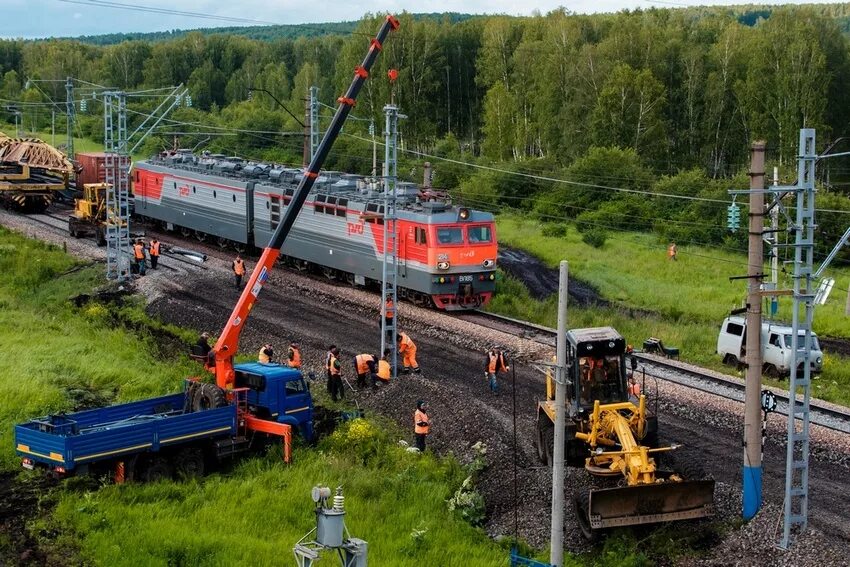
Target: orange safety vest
x=634 y=389
x=333 y=366
x=239 y=267
x=384 y=372
x=294 y=357
x=497 y=362
x=263 y=358
x=139 y=251
x=155 y=248
x=389 y=312
x=406 y=343
x=419 y=417
x=671 y=250
x=363 y=361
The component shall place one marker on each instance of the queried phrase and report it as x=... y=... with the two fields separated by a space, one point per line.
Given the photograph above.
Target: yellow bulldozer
x=89 y=216
x=613 y=435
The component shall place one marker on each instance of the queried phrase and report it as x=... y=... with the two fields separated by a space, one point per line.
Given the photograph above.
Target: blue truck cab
x=277 y=393
x=178 y=433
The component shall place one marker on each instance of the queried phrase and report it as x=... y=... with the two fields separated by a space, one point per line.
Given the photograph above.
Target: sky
x=63 y=18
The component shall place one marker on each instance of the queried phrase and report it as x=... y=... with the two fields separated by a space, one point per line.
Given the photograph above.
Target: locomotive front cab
x=463 y=260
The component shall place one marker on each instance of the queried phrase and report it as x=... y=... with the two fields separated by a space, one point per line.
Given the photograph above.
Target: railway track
x=822 y=413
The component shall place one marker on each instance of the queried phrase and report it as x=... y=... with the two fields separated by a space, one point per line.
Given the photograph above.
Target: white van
x=775 y=346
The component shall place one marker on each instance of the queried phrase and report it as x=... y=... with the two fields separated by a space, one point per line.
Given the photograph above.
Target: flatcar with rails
x=446 y=254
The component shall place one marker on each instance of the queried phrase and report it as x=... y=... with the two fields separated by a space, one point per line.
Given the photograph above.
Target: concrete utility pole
x=556 y=548
x=752 y=399
x=774 y=248
x=305 y=158
x=315 y=134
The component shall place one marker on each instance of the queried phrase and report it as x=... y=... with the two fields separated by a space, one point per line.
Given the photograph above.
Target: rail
x=702 y=379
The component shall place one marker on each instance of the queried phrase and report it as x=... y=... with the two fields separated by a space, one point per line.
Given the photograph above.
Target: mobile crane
x=152 y=439
x=611 y=436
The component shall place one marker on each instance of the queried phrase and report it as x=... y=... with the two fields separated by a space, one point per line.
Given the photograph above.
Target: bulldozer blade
x=651 y=503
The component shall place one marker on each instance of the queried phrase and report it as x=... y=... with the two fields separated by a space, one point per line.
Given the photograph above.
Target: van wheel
x=771 y=371
x=730 y=360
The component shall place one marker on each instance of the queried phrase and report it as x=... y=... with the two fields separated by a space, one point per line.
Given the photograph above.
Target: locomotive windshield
x=448 y=235
x=479 y=234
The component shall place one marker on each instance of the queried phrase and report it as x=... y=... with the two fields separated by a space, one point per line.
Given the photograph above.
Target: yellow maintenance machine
x=613 y=436
x=89 y=216
x=32 y=172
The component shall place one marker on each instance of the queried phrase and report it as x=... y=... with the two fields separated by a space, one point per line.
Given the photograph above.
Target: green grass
x=681 y=302
x=55 y=353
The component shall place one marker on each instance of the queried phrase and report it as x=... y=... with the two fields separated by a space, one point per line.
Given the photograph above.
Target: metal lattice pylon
x=797 y=458
x=118 y=193
x=315 y=132
x=389 y=329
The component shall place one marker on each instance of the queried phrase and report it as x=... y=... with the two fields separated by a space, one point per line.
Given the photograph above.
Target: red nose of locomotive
x=462 y=261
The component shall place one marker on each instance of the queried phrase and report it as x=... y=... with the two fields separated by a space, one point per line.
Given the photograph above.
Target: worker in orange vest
x=495 y=361
x=421 y=425
x=266 y=354
x=365 y=366
x=672 y=250
x=389 y=312
x=238 y=270
x=385 y=372
x=154 y=252
x=139 y=256
x=634 y=388
x=294 y=357
x=335 y=375
x=407 y=348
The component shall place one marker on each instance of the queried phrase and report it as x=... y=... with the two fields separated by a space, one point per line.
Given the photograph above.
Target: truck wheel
x=157 y=469
x=540 y=439
x=771 y=371
x=549 y=445
x=189 y=463
x=582 y=509
x=208 y=396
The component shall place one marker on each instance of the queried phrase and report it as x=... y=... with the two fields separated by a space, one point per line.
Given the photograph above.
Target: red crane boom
x=228 y=342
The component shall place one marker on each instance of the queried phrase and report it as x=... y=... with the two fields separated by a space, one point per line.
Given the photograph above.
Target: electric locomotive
x=446 y=254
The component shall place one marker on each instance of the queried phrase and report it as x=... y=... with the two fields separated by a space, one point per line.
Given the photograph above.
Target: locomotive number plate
x=463 y=279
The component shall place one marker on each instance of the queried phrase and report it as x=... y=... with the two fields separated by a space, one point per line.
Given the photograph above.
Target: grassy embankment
x=682 y=302
x=56 y=356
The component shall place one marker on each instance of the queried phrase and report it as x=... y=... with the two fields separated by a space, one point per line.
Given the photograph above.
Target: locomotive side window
x=448 y=235
x=479 y=234
x=331 y=210
x=319 y=206
x=371 y=209
x=342 y=206
x=287 y=196
x=421 y=236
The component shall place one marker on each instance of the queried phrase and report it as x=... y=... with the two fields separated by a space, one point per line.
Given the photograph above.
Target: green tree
x=499 y=131
x=629 y=112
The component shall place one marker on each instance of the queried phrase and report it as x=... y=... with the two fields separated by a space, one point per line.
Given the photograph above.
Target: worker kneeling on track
x=365 y=366
x=407 y=348
x=385 y=371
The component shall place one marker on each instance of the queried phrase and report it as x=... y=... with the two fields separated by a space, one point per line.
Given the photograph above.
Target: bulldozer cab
x=596 y=359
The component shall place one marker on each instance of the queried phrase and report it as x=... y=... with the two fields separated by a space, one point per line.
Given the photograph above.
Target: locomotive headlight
x=488 y=263
x=463 y=214
x=443 y=265
x=492 y=277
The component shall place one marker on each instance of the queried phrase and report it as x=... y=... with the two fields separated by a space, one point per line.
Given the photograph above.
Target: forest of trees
x=663 y=101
